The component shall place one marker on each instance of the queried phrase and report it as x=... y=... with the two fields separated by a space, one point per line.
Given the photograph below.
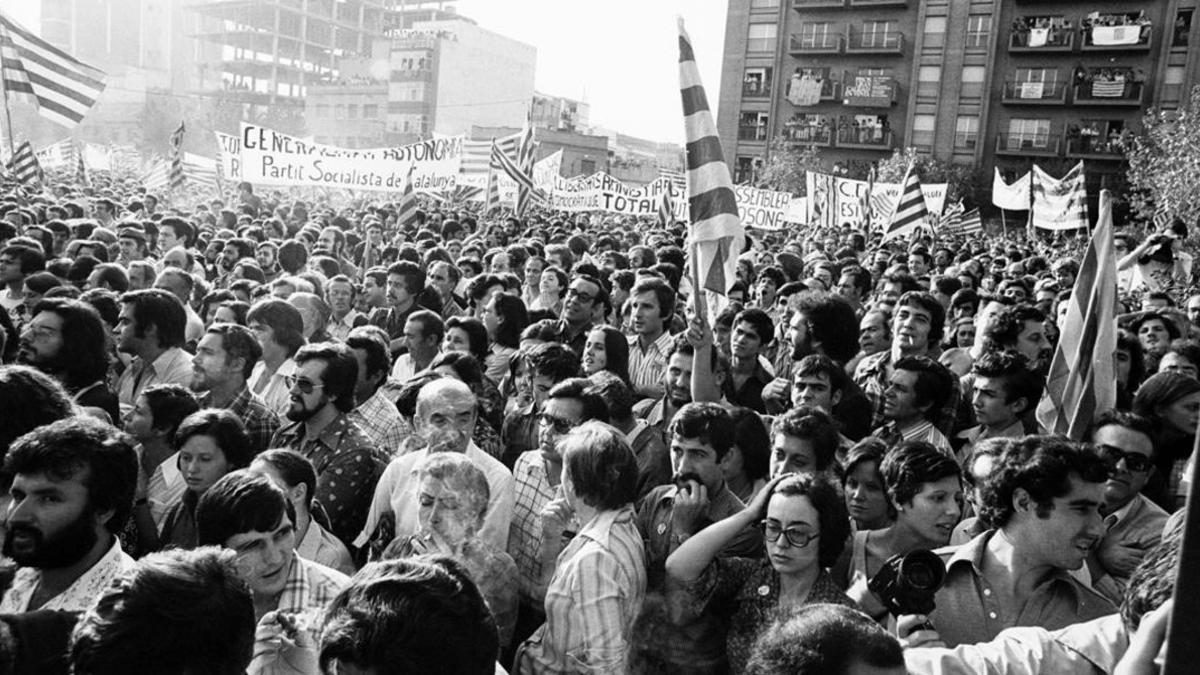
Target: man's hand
x=556 y=514
x=914 y=631
x=1147 y=644
x=775 y=394
x=699 y=335
x=691 y=503
x=1120 y=560
x=282 y=647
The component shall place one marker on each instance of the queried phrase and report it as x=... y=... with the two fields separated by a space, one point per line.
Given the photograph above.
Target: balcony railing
x=752 y=132
x=869 y=42
x=866 y=138
x=805 y=134
x=1034 y=93
x=1042 y=146
x=878 y=3
x=801 y=5
x=828 y=43
x=1128 y=94
x=1047 y=40
x=756 y=89
x=1117 y=38
x=1092 y=147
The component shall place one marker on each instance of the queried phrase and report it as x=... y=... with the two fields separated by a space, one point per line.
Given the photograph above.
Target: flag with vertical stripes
x=1059 y=203
x=525 y=163
x=1082 y=382
x=910 y=210
x=491 y=200
x=868 y=210
x=716 y=233
x=502 y=161
x=62 y=87
x=176 y=176
x=1162 y=214
x=81 y=175
x=666 y=209
x=23 y=166
x=406 y=208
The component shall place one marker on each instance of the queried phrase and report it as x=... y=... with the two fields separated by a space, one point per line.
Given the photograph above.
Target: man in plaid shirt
x=225 y=357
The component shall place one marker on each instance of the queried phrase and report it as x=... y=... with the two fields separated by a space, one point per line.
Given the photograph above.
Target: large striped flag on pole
x=1082 y=381
x=176 y=176
x=500 y=160
x=910 y=212
x=62 y=87
x=716 y=236
x=24 y=167
x=406 y=208
x=525 y=164
x=491 y=201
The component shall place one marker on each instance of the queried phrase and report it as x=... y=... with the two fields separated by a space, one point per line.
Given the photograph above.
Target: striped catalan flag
x=525 y=153
x=176 y=177
x=406 y=208
x=491 y=200
x=62 y=87
x=910 y=210
x=717 y=236
x=666 y=208
x=24 y=167
x=1082 y=382
x=501 y=160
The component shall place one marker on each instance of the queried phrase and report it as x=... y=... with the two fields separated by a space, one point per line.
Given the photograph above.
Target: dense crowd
x=286 y=433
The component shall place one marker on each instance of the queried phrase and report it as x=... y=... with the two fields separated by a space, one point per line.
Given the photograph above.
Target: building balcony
x=1114 y=94
x=808 y=135
x=756 y=89
x=1024 y=146
x=1116 y=38
x=1034 y=93
x=1090 y=147
x=861 y=42
x=752 y=132
x=866 y=139
x=815 y=44
x=801 y=5
x=1057 y=40
x=868 y=4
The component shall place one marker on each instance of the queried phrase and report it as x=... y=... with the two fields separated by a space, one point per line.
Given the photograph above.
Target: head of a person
x=752 y=332
x=505 y=317
x=599 y=469
x=749 y=457
x=804 y=439
x=184 y=611
x=701 y=435
x=606 y=349
x=326 y=375
x=1183 y=357
x=113 y=276
x=423 y=333
x=653 y=306
x=73 y=483
x=251 y=515
x=370 y=350
x=413 y=615
x=211 y=443
x=446 y=411
x=826 y=639
x=1172 y=401
x=67 y=339
x=862 y=482
x=452 y=498
x=1045 y=492
x=1021 y=329
x=567 y=405
x=292 y=472
x=405 y=281
x=1005 y=388
x=151 y=320
x=823 y=323
x=549 y=364
x=677 y=377
x=1155 y=330
x=29 y=399
x=805 y=509
x=818 y=381
x=924 y=486
x=1125 y=441
x=584 y=295
x=917 y=322
x=226 y=353
x=466 y=334
x=158 y=412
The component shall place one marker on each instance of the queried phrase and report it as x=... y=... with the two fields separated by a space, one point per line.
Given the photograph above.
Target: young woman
x=504 y=317
x=862 y=482
x=1172 y=402
x=607 y=349
x=551 y=289
x=467 y=335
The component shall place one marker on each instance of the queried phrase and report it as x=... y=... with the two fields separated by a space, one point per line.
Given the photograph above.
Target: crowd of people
x=294 y=435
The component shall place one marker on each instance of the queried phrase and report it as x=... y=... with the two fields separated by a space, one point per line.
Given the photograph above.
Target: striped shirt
x=381 y=422
x=646 y=366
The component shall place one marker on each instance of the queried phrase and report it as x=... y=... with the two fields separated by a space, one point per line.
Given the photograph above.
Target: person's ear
x=836 y=398
x=1022 y=500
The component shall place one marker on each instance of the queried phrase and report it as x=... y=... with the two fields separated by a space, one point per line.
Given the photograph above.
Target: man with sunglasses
x=584 y=295
x=1132 y=524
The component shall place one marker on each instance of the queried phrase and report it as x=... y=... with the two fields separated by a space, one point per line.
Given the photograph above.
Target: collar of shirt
x=1123 y=512
x=919 y=430
x=1014 y=430
x=330 y=436
x=972 y=552
x=661 y=345
x=875 y=365
x=162 y=364
x=600 y=526
x=638 y=427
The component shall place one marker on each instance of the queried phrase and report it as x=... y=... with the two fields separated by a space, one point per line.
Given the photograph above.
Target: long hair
x=83 y=357
x=616 y=352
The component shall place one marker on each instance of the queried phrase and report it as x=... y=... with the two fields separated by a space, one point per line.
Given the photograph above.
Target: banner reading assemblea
x=273 y=158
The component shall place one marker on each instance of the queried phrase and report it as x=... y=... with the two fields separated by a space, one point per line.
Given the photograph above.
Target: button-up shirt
x=309 y=589
x=398 y=487
x=533 y=492
x=749 y=394
x=653 y=458
x=348 y=466
x=77 y=597
x=592 y=601
x=339 y=329
x=164 y=487
x=646 y=366
x=978 y=433
x=919 y=431
x=174 y=366
x=260 y=421
x=273 y=388
x=872 y=376
x=381 y=422
x=968 y=610
x=321 y=547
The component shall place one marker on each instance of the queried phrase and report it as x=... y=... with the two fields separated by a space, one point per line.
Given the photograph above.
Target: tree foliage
x=1164 y=164
x=785 y=167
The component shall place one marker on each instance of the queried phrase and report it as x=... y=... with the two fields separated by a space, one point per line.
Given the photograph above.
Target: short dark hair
x=170 y=404
x=379 y=357
x=181 y=610
x=705 y=422
x=29 y=399
x=283 y=319
x=823 y=639
x=240 y=502
x=1041 y=465
x=112 y=274
x=554 y=360
x=1006 y=326
x=831 y=509
x=414 y=276
x=154 y=306
x=819 y=364
x=414 y=615
x=225 y=428
x=1012 y=369
x=431 y=324
x=341 y=371
x=64 y=449
x=601 y=465
x=764 y=327
x=751 y=438
x=831 y=322
x=294 y=468
x=663 y=293
x=477 y=336
x=583 y=390
x=934 y=382
x=813 y=425
x=1124 y=418
x=511 y=309
x=911 y=464
x=926 y=301
x=238 y=342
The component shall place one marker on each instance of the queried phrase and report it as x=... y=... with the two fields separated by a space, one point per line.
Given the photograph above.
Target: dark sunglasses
x=1134 y=461
x=560 y=425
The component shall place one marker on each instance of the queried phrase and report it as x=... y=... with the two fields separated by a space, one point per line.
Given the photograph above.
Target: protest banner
x=273 y=158
x=762 y=209
x=835 y=201
x=229 y=155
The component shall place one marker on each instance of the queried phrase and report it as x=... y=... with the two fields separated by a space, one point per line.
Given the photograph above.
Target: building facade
x=977 y=82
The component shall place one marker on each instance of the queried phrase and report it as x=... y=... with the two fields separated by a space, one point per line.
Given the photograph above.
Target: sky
x=620 y=56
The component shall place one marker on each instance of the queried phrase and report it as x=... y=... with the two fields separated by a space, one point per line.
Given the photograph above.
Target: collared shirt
x=273 y=388
x=920 y=431
x=260 y=421
x=1087 y=648
x=77 y=597
x=309 y=589
x=381 y=422
x=533 y=492
x=749 y=394
x=968 y=611
x=392 y=321
x=339 y=329
x=978 y=433
x=646 y=366
x=321 y=547
x=397 y=490
x=348 y=466
x=174 y=366
x=872 y=376
x=164 y=487
x=592 y=601
x=1137 y=525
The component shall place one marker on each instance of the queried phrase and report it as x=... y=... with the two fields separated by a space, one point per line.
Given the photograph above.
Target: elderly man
x=446 y=411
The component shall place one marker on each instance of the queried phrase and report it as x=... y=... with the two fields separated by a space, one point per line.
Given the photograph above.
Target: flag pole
x=1004 y=222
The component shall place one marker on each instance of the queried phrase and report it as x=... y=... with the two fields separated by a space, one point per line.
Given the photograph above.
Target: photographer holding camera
x=1160 y=260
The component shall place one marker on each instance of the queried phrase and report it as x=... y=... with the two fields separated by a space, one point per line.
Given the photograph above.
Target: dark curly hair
x=1005 y=328
x=832 y=515
x=1042 y=466
x=911 y=464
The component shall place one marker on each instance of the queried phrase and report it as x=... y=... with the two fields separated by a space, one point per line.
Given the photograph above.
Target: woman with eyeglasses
x=805 y=526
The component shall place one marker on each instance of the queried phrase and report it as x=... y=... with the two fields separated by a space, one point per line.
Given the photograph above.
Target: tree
x=785 y=167
x=969 y=183
x=1164 y=165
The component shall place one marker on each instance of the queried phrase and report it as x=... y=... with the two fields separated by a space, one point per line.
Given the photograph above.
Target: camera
x=907 y=583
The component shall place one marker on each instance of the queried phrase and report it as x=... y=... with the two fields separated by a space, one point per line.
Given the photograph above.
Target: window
x=764 y=4
x=875 y=72
x=966 y=131
x=1183 y=26
x=587 y=167
x=923 y=127
x=757 y=82
x=322 y=111
x=752 y=126
x=762 y=37
x=352 y=111
x=935 y=31
x=979 y=27
x=339 y=111
x=1028 y=133
x=743 y=171
x=972 y=82
x=370 y=111
x=929 y=79
x=818 y=35
x=1173 y=83
x=880 y=34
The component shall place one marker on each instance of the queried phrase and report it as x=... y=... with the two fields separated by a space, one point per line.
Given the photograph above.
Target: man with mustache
x=917 y=387
x=701 y=437
x=72 y=491
x=66 y=340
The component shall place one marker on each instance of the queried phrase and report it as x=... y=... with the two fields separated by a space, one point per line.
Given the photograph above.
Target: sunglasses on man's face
x=1135 y=462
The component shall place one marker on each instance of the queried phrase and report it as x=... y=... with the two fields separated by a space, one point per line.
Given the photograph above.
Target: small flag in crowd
x=677 y=179
x=1162 y=214
x=1082 y=381
x=666 y=209
x=491 y=201
x=477 y=155
x=717 y=236
x=62 y=87
x=1059 y=203
x=958 y=221
x=910 y=210
x=500 y=160
x=24 y=167
x=406 y=208
x=177 y=176
x=81 y=175
x=525 y=164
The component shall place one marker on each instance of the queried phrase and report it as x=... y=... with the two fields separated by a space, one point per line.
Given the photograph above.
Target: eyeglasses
x=580 y=295
x=305 y=386
x=796 y=538
x=1134 y=461
x=560 y=425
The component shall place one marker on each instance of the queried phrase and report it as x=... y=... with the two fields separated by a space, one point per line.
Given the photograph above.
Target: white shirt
x=274 y=392
x=79 y=596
